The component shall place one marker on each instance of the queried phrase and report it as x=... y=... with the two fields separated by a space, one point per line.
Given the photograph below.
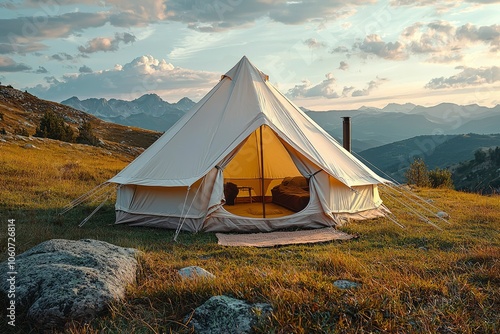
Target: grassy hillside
x=437 y=151
x=23 y=111
x=413 y=280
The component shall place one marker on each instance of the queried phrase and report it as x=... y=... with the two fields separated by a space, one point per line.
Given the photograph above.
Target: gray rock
x=195 y=272
x=62 y=280
x=222 y=314
x=31 y=146
x=345 y=284
x=442 y=214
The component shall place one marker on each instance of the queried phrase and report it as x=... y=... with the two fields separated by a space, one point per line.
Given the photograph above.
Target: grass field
x=413 y=280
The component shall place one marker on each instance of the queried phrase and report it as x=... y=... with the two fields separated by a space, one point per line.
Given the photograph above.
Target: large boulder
x=62 y=280
x=223 y=314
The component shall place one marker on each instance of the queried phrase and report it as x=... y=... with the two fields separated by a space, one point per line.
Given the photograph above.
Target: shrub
x=440 y=178
x=418 y=174
x=86 y=135
x=21 y=132
x=53 y=126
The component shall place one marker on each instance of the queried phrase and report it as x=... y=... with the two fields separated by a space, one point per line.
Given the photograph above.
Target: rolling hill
x=437 y=151
x=22 y=111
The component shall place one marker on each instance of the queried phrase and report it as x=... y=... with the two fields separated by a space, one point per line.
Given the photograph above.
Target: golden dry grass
x=413 y=280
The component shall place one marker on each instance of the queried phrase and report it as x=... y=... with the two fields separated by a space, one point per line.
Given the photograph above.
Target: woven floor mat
x=270 y=239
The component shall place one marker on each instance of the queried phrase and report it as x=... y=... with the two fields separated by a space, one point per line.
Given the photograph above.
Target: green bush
x=53 y=126
x=440 y=178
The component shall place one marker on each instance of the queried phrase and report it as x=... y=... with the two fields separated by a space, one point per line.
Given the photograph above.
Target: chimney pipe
x=347 y=133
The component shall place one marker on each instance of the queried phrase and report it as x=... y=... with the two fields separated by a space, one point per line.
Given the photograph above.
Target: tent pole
x=262 y=175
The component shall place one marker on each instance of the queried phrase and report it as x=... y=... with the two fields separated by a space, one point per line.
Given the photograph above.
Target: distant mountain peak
x=396 y=107
x=149 y=97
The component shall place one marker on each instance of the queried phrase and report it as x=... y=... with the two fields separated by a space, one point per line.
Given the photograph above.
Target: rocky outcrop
x=222 y=314
x=62 y=280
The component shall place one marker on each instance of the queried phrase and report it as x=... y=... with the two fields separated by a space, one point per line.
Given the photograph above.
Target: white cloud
x=107 y=43
x=372 y=85
x=326 y=88
x=467 y=77
x=440 y=41
x=373 y=44
x=142 y=75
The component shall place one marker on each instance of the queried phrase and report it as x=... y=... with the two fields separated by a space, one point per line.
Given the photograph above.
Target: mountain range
x=372 y=127
x=148 y=111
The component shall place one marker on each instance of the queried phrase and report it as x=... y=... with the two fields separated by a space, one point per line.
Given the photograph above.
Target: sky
x=323 y=55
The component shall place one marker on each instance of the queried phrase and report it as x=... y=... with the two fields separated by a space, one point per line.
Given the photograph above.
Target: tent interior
x=262 y=180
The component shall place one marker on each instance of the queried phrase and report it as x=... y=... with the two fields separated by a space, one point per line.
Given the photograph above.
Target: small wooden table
x=249 y=189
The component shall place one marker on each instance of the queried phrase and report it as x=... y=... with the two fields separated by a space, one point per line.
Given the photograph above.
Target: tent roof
x=240 y=103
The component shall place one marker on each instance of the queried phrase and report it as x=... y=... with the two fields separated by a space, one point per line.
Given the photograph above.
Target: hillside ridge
x=21 y=112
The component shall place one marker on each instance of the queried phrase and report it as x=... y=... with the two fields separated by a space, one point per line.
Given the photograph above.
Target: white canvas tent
x=246 y=132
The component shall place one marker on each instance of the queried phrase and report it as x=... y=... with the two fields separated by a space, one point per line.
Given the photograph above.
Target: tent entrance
x=257 y=179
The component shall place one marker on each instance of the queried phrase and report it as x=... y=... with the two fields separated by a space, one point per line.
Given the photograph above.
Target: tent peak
x=244 y=63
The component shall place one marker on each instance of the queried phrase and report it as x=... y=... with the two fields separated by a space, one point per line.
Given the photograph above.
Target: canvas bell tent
x=247 y=141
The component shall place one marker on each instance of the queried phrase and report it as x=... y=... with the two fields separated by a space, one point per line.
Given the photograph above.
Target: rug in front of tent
x=270 y=239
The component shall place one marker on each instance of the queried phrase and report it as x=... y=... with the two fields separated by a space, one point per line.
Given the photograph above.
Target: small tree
x=418 y=174
x=480 y=156
x=53 y=126
x=440 y=178
x=86 y=135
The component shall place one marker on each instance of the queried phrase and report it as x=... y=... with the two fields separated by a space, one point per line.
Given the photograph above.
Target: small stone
x=442 y=214
x=223 y=314
x=195 y=272
x=30 y=146
x=345 y=284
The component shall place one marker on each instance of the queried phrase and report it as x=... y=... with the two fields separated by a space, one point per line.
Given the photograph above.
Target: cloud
x=343 y=66
x=466 y=78
x=62 y=56
x=41 y=70
x=313 y=43
x=9 y=65
x=347 y=90
x=24 y=34
x=326 y=88
x=107 y=43
x=340 y=49
x=140 y=76
x=85 y=69
x=373 y=44
x=440 y=41
x=485 y=34
x=209 y=16
x=372 y=85
x=440 y=5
